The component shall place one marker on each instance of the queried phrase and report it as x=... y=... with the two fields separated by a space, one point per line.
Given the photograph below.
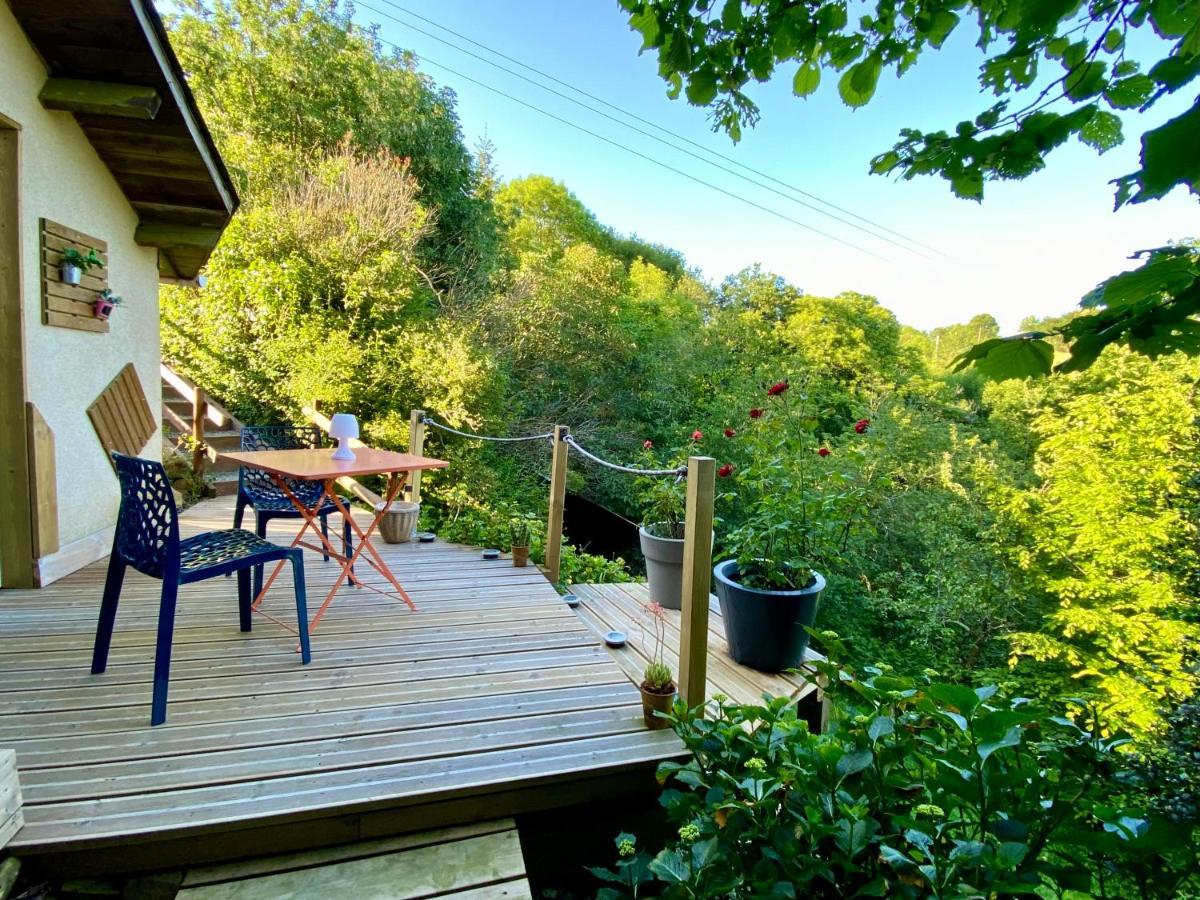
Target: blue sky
x=1032 y=247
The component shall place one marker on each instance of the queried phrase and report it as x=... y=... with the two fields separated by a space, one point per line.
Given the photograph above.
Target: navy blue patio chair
x=257 y=489
x=147 y=539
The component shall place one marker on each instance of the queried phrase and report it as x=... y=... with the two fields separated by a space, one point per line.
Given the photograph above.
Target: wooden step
x=471 y=861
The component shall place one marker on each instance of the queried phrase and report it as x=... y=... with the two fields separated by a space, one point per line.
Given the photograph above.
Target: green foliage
x=799 y=503
x=1060 y=70
x=282 y=83
x=1115 y=555
x=657 y=677
x=920 y=788
x=520 y=531
x=84 y=261
x=662 y=499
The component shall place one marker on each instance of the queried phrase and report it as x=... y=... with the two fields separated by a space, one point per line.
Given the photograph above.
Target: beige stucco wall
x=62 y=179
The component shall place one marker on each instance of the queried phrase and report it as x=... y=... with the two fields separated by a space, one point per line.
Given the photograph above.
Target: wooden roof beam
x=166 y=235
x=129 y=101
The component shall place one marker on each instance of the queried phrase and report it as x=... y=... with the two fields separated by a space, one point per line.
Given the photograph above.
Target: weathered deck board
x=620 y=607
x=476 y=861
x=493 y=688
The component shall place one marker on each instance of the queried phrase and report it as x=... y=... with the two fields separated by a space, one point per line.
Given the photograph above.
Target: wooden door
x=16 y=516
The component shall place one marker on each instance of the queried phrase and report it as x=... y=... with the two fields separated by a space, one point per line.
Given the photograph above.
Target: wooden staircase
x=193 y=419
x=187 y=410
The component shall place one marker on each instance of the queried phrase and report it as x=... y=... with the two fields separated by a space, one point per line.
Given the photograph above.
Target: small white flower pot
x=70 y=274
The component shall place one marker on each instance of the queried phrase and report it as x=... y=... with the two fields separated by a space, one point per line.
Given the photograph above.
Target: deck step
x=472 y=861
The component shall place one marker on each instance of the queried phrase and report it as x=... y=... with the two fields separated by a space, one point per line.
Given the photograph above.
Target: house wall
x=62 y=178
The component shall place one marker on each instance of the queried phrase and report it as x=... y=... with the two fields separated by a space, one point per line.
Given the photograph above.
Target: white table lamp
x=344 y=427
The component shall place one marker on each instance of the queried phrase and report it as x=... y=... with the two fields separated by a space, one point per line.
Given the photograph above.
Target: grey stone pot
x=664 y=568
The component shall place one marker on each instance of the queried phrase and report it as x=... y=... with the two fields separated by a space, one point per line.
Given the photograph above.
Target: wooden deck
x=494 y=698
x=620 y=607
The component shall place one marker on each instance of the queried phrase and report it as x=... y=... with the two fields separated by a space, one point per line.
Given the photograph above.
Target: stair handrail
x=214 y=411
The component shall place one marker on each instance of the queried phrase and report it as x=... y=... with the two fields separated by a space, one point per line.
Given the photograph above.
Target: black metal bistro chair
x=147 y=538
x=257 y=490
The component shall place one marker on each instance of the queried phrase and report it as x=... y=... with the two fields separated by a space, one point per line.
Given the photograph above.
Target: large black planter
x=765 y=629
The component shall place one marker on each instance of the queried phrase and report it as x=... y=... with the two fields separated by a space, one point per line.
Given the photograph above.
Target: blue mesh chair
x=147 y=539
x=258 y=490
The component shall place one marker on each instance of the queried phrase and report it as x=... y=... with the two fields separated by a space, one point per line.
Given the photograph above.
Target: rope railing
x=425 y=420
x=677 y=472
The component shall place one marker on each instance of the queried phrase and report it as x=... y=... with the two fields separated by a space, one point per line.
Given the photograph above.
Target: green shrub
x=920 y=788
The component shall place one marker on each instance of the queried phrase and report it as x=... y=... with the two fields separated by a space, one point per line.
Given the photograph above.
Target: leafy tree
x=1111 y=534
x=281 y=82
x=951 y=341
x=711 y=52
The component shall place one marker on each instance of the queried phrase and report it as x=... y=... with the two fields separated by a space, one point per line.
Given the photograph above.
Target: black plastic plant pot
x=766 y=629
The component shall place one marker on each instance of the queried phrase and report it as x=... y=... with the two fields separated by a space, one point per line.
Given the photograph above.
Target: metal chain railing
x=678 y=471
x=487 y=437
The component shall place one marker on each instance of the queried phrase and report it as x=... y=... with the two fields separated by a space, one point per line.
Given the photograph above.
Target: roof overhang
x=111 y=65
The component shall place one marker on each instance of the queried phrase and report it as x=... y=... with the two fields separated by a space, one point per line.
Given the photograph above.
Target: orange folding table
x=319 y=465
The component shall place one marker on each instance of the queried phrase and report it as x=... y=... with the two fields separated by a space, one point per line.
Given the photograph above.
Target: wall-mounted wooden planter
x=65 y=305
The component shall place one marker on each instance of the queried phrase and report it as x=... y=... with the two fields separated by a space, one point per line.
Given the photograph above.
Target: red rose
x=647 y=444
x=697 y=435
x=729 y=432
x=861 y=425
x=756 y=413
x=824 y=451
x=726 y=470
x=777 y=388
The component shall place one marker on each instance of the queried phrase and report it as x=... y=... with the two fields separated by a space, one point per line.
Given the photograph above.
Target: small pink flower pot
x=102 y=308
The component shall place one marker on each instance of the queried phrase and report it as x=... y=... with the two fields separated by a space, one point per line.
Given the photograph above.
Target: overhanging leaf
x=807 y=80
x=1169 y=157
x=1020 y=356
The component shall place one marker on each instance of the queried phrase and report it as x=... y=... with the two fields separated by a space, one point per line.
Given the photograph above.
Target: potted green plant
x=799 y=496
x=520 y=534
x=74 y=264
x=661 y=532
x=658 y=686
x=103 y=305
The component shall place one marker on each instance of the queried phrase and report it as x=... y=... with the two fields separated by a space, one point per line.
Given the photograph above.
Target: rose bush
x=797 y=505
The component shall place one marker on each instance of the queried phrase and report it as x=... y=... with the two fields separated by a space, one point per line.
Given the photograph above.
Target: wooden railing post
x=558 y=502
x=416 y=446
x=199 y=411
x=697 y=579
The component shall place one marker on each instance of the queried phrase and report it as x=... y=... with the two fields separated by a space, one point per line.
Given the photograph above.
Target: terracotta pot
x=653 y=702
x=101 y=309
x=520 y=556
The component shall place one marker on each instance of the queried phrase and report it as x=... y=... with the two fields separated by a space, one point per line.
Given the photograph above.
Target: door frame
x=16 y=512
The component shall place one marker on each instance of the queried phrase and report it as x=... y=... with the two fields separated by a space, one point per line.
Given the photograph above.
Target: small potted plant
x=103 y=305
x=520 y=534
x=74 y=264
x=658 y=687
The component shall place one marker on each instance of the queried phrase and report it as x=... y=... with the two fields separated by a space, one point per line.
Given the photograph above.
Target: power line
x=638 y=153
x=651 y=124
x=641 y=131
